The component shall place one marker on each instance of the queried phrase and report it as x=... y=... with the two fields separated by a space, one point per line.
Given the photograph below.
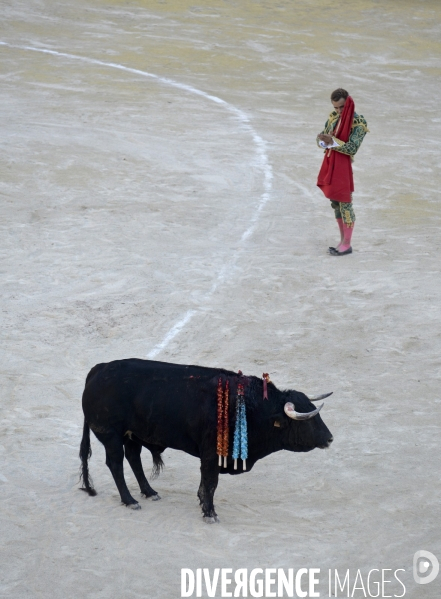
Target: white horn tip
x=317 y=397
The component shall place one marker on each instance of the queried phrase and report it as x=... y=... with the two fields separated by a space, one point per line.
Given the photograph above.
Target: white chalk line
x=259 y=143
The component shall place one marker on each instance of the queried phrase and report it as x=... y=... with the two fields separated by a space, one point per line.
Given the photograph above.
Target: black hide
x=133 y=403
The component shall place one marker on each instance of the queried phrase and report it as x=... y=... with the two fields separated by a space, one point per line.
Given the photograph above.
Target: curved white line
x=260 y=150
x=177 y=328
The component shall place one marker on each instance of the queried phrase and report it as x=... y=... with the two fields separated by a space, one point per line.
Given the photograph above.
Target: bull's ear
x=279 y=420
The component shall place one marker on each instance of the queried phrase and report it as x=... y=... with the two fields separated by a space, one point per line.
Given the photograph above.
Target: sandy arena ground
x=176 y=216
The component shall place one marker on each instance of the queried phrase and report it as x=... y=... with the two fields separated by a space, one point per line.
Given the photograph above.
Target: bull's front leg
x=209 y=480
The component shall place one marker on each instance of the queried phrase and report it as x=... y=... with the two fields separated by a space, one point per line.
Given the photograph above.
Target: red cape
x=335 y=177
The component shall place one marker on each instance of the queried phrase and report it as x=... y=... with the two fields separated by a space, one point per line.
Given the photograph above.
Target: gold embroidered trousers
x=345 y=212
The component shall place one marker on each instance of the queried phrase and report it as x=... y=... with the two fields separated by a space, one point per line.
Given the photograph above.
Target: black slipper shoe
x=334 y=252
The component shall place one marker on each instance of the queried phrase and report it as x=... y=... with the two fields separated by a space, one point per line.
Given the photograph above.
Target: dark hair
x=338 y=94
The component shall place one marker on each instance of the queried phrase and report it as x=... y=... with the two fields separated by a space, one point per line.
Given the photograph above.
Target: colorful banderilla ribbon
x=222 y=422
x=240 y=443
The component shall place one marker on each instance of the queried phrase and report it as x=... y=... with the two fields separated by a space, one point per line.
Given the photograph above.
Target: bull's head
x=302 y=435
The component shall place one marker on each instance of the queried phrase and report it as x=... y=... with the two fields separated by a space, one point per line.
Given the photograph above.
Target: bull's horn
x=317 y=397
x=290 y=411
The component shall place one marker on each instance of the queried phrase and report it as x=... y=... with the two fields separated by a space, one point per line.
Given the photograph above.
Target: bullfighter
x=341 y=138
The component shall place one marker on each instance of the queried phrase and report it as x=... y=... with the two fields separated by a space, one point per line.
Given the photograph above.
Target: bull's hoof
x=210 y=519
x=134 y=506
x=152 y=497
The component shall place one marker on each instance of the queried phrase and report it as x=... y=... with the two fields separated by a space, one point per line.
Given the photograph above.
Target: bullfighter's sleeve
x=359 y=130
x=325 y=130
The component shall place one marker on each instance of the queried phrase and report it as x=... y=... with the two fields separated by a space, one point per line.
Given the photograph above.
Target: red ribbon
x=266 y=380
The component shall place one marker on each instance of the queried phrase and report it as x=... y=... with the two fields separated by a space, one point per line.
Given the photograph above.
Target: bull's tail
x=85 y=453
x=158 y=464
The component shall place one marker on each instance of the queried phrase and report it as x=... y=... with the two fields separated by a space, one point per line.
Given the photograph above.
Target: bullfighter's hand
x=326 y=138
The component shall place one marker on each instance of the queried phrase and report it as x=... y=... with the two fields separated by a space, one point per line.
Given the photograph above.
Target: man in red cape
x=342 y=136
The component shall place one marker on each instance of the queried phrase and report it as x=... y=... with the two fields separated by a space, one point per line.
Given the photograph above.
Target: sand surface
x=158 y=199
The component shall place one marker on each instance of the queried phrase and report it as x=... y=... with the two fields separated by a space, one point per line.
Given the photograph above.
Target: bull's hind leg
x=201 y=493
x=133 y=454
x=114 y=460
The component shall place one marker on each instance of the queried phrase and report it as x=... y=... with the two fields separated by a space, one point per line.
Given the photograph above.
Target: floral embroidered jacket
x=359 y=130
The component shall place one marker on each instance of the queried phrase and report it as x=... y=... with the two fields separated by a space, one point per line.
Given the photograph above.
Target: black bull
x=130 y=404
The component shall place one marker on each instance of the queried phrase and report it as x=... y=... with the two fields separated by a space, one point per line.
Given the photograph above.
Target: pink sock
x=340 y=226
x=347 y=235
